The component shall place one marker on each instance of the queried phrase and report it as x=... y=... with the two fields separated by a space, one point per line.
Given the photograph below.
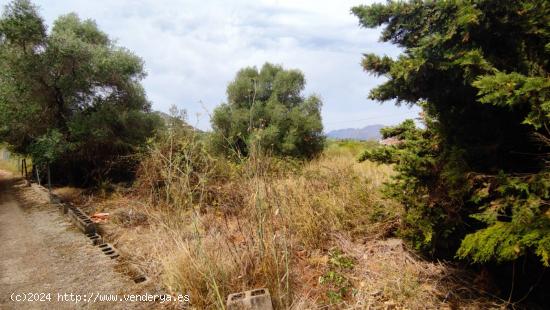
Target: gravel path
x=41 y=252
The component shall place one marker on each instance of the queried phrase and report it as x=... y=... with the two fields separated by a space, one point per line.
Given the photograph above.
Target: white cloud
x=192 y=49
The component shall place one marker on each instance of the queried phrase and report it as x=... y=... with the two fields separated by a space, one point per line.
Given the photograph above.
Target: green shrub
x=266 y=109
x=70 y=97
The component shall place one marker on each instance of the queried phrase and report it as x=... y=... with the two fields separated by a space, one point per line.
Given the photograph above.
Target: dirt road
x=41 y=252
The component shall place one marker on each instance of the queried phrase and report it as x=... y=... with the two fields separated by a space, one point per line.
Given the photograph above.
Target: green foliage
x=336 y=148
x=266 y=110
x=407 y=136
x=516 y=212
x=414 y=158
x=339 y=285
x=21 y=25
x=69 y=97
x=475 y=179
x=48 y=147
x=514 y=89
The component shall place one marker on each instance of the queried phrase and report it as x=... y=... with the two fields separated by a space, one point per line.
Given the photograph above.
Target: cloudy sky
x=193 y=48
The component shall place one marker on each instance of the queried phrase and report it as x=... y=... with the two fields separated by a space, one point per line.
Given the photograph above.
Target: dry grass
x=212 y=251
x=252 y=225
x=388 y=274
x=313 y=234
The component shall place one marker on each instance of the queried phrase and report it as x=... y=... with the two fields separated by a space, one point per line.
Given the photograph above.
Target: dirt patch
x=43 y=253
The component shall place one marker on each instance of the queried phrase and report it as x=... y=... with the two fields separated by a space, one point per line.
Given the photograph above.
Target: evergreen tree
x=476 y=180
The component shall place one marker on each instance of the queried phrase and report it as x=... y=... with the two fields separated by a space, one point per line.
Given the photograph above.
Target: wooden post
x=37 y=176
x=26 y=171
x=49 y=183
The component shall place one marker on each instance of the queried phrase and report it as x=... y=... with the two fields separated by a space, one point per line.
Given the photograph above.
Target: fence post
x=49 y=184
x=37 y=176
x=26 y=171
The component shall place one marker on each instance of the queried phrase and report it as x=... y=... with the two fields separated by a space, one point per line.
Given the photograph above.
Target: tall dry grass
x=224 y=227
x=314 y=233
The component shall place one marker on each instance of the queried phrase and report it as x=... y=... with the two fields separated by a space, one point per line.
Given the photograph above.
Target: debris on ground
x=99 y=217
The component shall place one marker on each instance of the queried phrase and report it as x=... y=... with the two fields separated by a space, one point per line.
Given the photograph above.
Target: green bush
x=266 y=109
x=70 y=97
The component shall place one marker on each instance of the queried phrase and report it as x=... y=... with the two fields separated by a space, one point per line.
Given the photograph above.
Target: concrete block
x=258 y=299
x=63 y=208
x=95 y=238
x=140 y=278
x=82 y=221
x=109 y=250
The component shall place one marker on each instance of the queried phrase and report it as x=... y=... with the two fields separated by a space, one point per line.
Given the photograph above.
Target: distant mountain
x=371 y=132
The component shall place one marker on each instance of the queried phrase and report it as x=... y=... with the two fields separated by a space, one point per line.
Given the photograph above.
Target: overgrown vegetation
x=311 y=232
x=475 y=181
x=70 y=97
x=264 y=201
x=340 y=285
x=229 y=226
